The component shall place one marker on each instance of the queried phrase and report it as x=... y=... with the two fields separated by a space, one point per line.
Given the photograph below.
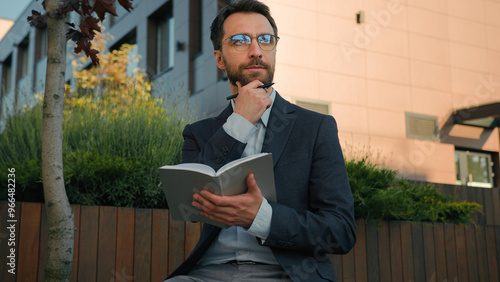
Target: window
x=220 y=73
x=22 y=59
x=422 y=127
x=41 y=43
x=161 y=40
x=195 y=46
x=474 y=169
x=6 y=75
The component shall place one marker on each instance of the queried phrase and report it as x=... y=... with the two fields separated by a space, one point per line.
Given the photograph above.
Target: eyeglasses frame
x=252 y=37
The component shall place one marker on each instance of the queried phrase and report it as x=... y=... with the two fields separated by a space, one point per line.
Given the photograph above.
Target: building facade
x=413 y=84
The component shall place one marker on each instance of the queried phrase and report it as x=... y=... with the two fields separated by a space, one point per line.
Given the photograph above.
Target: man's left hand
x=239 y=210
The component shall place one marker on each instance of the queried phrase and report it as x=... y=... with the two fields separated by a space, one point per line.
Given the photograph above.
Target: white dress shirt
x=238 y=243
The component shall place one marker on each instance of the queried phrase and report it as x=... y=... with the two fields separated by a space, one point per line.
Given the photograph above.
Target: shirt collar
x=265 y=115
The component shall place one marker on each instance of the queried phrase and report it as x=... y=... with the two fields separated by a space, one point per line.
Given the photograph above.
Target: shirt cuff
x=239 y=128
x=261 y=225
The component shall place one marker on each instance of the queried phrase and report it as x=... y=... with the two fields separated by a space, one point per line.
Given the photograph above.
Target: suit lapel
x=279 y=127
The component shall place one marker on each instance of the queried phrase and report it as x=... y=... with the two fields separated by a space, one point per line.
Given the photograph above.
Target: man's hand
x=239 y=210
x=252 y=102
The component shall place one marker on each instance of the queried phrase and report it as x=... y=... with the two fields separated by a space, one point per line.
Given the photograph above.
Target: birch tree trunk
x=60 y=218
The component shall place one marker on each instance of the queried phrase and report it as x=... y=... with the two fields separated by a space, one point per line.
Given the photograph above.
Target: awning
x=485 y=116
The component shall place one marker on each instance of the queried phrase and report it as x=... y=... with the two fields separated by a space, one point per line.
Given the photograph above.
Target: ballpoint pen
x=262 y=86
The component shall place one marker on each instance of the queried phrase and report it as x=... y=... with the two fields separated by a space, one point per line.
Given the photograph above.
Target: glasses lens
x=266 y=41
x=241 y=41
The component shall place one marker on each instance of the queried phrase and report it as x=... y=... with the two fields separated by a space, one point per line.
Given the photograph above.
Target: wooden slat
x=348 y=267
x=76 y=246
x=496 y=207
x=471 y=196
x=395 y=248
x=337 y=266
x=372 y=264
x=479 y=195
x=360 y=252
x=451 y=253
x=407 y=251
x=42 y=257
x=384 y=252
x=418 y=251
x=159 y=257
x=29 y=241
x=193 y=231
x=429 y=256
x=489 y=206
x=87 y=254
x=440 y=252
x=482 y=256
x=461 y=252
x=470 y=243
x=106 y=253
x=497 y=239
x=142 y=253
x=7 y=241
x=176 y=235
x=491 y=249
x=125 y=219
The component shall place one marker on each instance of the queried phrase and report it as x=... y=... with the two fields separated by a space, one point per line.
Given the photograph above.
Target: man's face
x=252 y=64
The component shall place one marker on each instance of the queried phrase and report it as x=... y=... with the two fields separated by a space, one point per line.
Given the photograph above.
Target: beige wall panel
x=430 y=76
x=342 y=89
x=351 y=118
x=467 y=32
x=429 y=49
x=386 y=123
x=387 y=68
x=292 y=51
x=494 y=62
x=383 y=13
x=492 y=11
x=467 y=9
x=493 y=37
x=433 y=103
x=341 y=59
x=297 y=81
x=293 y=21
x=391 y=42
x=337 y=30
x=439 y=6
x=427 y=23
x=341 y=8
x=468 y=57
x=388 y=96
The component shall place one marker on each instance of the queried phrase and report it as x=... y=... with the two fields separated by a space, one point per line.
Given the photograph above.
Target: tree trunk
x=60 y=218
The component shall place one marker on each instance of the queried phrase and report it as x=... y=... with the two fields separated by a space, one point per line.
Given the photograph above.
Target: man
x=284 y=241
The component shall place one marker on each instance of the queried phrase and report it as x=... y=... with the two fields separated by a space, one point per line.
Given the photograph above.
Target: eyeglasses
x=241 y=42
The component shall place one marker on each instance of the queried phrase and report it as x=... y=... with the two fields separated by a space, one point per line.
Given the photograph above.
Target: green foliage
x=115 y=137
x=380 y=194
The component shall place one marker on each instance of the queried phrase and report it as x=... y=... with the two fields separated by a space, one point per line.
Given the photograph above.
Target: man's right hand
x=252 y=102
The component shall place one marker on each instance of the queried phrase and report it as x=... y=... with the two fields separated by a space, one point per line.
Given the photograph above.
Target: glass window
x=161 y=40
x=474 y=169
x=22 y=60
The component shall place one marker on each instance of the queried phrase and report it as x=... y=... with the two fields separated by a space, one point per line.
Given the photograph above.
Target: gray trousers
x=234 y=272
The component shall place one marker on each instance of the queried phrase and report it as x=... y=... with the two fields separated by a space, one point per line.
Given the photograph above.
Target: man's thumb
x=251 y=183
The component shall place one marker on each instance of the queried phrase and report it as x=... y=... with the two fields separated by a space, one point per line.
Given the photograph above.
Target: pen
x=262 y=86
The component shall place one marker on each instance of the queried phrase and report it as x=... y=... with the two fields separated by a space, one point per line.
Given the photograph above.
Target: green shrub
x=380 y=194
x=115 y=137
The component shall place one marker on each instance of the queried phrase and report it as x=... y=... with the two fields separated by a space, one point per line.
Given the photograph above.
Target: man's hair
x=240 y=6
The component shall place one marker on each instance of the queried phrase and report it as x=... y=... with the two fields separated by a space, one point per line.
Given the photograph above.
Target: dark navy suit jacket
x=314 y=214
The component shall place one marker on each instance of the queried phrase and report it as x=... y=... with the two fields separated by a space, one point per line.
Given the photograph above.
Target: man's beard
x=237 y=75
